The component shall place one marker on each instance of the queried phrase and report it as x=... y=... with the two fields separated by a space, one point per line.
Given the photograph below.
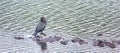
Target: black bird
x=40 y=27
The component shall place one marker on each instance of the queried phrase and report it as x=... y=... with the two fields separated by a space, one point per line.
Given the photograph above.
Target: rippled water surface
x=71 y=17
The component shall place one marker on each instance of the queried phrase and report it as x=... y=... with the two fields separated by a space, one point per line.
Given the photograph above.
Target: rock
x=116 y=41
x=42 y=40
x=37 y=38
x=111 y=45
x=19 y=38
x=50 y=39
x=57 y=38
x=99 y=43
x=76 y=39
x=82 y=42
x=65 y=42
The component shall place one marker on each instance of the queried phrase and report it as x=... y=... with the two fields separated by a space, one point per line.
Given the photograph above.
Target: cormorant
x=40 y=27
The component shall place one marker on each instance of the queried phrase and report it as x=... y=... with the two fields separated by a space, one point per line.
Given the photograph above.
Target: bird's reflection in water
x=42 y=43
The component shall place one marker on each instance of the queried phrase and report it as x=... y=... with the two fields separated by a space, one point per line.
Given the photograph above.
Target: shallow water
x=71 y=17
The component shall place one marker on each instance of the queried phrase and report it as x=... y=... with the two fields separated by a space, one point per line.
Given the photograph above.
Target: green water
x=71 y=17
x=68 y=16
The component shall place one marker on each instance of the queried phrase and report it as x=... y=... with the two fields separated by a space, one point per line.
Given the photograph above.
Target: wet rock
x=36 y=38
x=76 y=39
x=42 y=40
x=50 y=39
x=82 y=42
x=19 y=38
x=99 y=43
x=65 y=42
x=57 y=38
x=116 y=41
x=111 y=45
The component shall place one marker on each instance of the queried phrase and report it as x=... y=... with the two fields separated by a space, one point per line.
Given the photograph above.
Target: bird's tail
x=35 y=33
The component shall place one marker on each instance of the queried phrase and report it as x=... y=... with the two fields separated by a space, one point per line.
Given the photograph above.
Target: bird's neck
x=43 y=21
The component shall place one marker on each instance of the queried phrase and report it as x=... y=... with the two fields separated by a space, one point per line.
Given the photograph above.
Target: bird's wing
x=40 y=26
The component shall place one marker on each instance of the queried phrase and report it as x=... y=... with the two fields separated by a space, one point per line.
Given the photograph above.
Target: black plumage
x=40 y=27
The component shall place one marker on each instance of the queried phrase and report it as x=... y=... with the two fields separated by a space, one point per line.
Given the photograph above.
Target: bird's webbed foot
x=43 y=33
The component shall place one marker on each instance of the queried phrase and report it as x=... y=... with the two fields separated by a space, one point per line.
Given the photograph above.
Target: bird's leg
x=43 y=33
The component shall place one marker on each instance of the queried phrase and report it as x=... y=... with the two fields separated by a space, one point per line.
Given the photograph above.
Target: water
x=72 y=17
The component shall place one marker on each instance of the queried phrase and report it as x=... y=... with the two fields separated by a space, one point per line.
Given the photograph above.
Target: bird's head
x=43 y=19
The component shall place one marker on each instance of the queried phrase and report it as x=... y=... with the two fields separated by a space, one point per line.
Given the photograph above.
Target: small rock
x=42 y=40
x=111 y=45
x=116 y=41
x=65 y=42
x=100 y=43
x=57 y=38
x=76 y=39
x=82 y=42
x=50 y=39
x=18 y=38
